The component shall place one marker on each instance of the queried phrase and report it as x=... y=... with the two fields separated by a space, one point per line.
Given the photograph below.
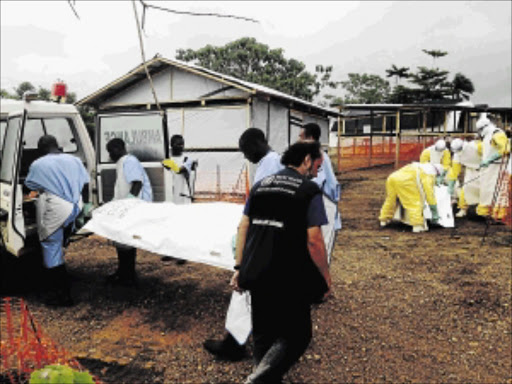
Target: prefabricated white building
x=209 y=109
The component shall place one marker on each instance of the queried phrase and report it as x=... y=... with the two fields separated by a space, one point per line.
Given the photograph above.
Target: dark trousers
x=281 y=333
x=126 y=262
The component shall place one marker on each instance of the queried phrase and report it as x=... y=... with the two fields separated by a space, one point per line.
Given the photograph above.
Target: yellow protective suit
x=430 y=155
x=495 y=141
x=403 y=184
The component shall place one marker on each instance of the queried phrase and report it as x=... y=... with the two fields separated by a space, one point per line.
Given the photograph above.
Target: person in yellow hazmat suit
x=437 y=154
x=495 y=145
x=412 y=185
x=467 y=154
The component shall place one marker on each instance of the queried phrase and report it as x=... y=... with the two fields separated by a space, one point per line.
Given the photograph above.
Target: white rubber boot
x=418 y=229
x=462 y=213
x=384 y=223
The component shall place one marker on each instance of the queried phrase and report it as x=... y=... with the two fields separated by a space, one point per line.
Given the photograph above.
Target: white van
x=22 y=123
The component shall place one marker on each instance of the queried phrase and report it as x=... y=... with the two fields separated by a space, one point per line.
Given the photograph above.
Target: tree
x=22 y=88
x=4 y=94
x=44 y=94
x=432 y=82
x=365 y=89
x=252 y=61
x=462 y=87
x=435 y=53
x=399 y=73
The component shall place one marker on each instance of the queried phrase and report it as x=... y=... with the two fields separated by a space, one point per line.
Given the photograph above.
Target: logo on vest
x=267 y=181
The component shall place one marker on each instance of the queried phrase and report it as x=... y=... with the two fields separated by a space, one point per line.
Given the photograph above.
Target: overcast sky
x=43 y=41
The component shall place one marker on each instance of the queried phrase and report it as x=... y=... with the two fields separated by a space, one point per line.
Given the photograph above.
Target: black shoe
x=59 y=299
x=226 y=349
x=117 y=279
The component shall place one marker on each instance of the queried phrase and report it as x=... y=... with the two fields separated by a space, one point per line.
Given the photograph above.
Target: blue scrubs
x=328 y=183
x=62 y=175
x=268 y=165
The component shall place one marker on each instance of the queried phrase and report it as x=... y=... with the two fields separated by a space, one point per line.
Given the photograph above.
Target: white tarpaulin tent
x=199 y=232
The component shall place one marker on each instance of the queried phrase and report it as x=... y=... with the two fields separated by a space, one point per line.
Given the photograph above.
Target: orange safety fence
x=24 y=348
x=364 y=151
x=228 y=186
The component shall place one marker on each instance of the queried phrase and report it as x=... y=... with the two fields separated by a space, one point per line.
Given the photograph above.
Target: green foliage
x=60 y=374
x=44 y=94
x=249 y=60
x=432 y=82
x=22 y=88
x=399 y=73
x=4 y=94
x=365 y=89
x=462 y=86
x=435 y=53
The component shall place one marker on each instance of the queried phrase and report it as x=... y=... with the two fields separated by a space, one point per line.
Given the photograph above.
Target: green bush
x=60 y=374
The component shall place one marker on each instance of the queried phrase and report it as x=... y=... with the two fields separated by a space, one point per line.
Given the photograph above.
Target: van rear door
x=12 y=225
x=145 y=137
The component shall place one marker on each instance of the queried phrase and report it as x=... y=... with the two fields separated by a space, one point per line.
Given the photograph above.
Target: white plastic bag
x=444 y=207
x=238 y=320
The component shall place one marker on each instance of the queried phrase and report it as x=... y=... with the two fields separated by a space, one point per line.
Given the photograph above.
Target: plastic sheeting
x=200 y=232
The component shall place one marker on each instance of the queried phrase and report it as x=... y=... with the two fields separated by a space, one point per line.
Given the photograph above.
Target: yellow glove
x=171 y=164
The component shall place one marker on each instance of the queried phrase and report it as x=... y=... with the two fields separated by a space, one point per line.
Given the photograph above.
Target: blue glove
x=451 y=186
x=435 y=214
x=130 y=196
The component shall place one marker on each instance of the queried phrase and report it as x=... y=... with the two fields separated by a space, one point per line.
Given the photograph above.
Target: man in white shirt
x=132 y=182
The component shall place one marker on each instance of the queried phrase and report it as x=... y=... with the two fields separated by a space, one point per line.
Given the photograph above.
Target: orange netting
x=222 y=186
x=24 y=348
x=363 y=152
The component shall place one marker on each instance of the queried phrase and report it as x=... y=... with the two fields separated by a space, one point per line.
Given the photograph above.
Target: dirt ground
x=433 y=307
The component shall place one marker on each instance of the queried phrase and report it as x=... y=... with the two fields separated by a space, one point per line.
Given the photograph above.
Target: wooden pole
x=339 y=143
x=445 y=122
x=397 y=140
x=371 y=139
x=424 y=128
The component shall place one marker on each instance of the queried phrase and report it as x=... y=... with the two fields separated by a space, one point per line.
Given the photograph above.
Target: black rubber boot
x=226 y=349
x=60 y=290
x=125 y=274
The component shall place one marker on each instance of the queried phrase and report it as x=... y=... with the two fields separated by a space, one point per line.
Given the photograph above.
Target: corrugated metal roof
x=158 y=63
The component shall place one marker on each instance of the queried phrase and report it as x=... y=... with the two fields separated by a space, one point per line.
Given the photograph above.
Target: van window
x=61 y=128
x=32 y=132
x=10 y=141
x=142 y=134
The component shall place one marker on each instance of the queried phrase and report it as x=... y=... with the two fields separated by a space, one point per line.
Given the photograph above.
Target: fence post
x=371 y=138
x=339 y=143
x=424 y=128
x=397 y=140
x=218 y=181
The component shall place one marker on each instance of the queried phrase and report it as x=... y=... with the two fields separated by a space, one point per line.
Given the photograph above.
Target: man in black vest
x=281 y=259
